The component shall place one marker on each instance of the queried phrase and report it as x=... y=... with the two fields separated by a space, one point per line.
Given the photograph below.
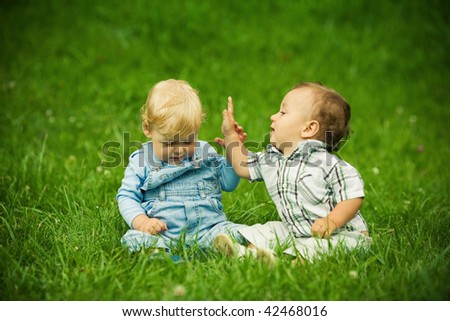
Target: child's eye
x=175 y=144
x=181 y=143
x=282 y=112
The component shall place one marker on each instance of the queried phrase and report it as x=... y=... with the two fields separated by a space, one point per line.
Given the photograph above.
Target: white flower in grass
x=179 y=290
x=11 y=84
x=50 y=116
x=376 y=170
x=72 y=119
x=412 y=119
x=99 y=169
x=353 y=274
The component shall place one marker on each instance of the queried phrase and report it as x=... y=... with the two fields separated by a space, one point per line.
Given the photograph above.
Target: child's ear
x=146 y=131
x=311 y=129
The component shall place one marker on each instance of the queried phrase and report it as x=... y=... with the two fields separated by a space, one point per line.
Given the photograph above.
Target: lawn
x=74 y=74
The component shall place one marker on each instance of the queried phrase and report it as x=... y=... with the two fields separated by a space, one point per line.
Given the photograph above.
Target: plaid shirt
x=307 y=185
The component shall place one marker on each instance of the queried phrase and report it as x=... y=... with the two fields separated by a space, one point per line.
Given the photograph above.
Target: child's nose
x=180 y=150
x=183 y=150
x=272 y=118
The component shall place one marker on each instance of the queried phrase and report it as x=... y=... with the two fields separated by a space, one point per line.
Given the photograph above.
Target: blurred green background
x=73 y=75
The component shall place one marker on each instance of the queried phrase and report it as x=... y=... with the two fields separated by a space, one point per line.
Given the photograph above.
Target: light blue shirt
x=146 y=177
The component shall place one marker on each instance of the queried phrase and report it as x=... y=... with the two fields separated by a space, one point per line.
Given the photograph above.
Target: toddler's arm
x=129 y=198
x=338 y=217
x=237 y=153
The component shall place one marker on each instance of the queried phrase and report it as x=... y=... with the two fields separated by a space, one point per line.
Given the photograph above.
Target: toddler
x=172 y=186
x=317 y=195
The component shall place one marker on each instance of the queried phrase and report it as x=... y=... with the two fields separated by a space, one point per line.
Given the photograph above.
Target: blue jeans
x=190 y=209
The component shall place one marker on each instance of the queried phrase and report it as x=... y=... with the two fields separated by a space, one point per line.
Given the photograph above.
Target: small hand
x=153 y=226
x=239 y=130
x=230 y=126
x=323 y=227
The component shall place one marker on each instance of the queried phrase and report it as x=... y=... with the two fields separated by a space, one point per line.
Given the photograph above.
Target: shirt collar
x=309 y=146
x=305 y=147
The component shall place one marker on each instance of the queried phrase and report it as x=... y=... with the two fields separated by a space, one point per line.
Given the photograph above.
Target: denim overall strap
x=161 y=193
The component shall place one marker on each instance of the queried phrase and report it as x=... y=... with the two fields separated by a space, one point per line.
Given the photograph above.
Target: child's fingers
x=220 y=141
x=318 y=233
x=318 y=229
x=159 y=227
x=230 y=106
x=162 y=225
x=242 y=136
x=154 y=229
x=227 y=116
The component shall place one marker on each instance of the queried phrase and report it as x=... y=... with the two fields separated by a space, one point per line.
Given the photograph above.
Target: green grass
x=73 y=75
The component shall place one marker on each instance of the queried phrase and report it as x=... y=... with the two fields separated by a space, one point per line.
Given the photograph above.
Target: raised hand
x=230 y=126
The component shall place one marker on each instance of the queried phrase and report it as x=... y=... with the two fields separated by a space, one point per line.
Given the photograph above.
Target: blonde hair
x=172 y=108
x=332 y=112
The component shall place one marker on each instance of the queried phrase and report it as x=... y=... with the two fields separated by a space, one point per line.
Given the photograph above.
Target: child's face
x=173 y=150
x=288 y=125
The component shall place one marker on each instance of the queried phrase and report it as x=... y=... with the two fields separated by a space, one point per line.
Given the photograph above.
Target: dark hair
x=332 y=112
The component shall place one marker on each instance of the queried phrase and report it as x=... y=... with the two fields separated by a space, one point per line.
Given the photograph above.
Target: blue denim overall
x=187 y=198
